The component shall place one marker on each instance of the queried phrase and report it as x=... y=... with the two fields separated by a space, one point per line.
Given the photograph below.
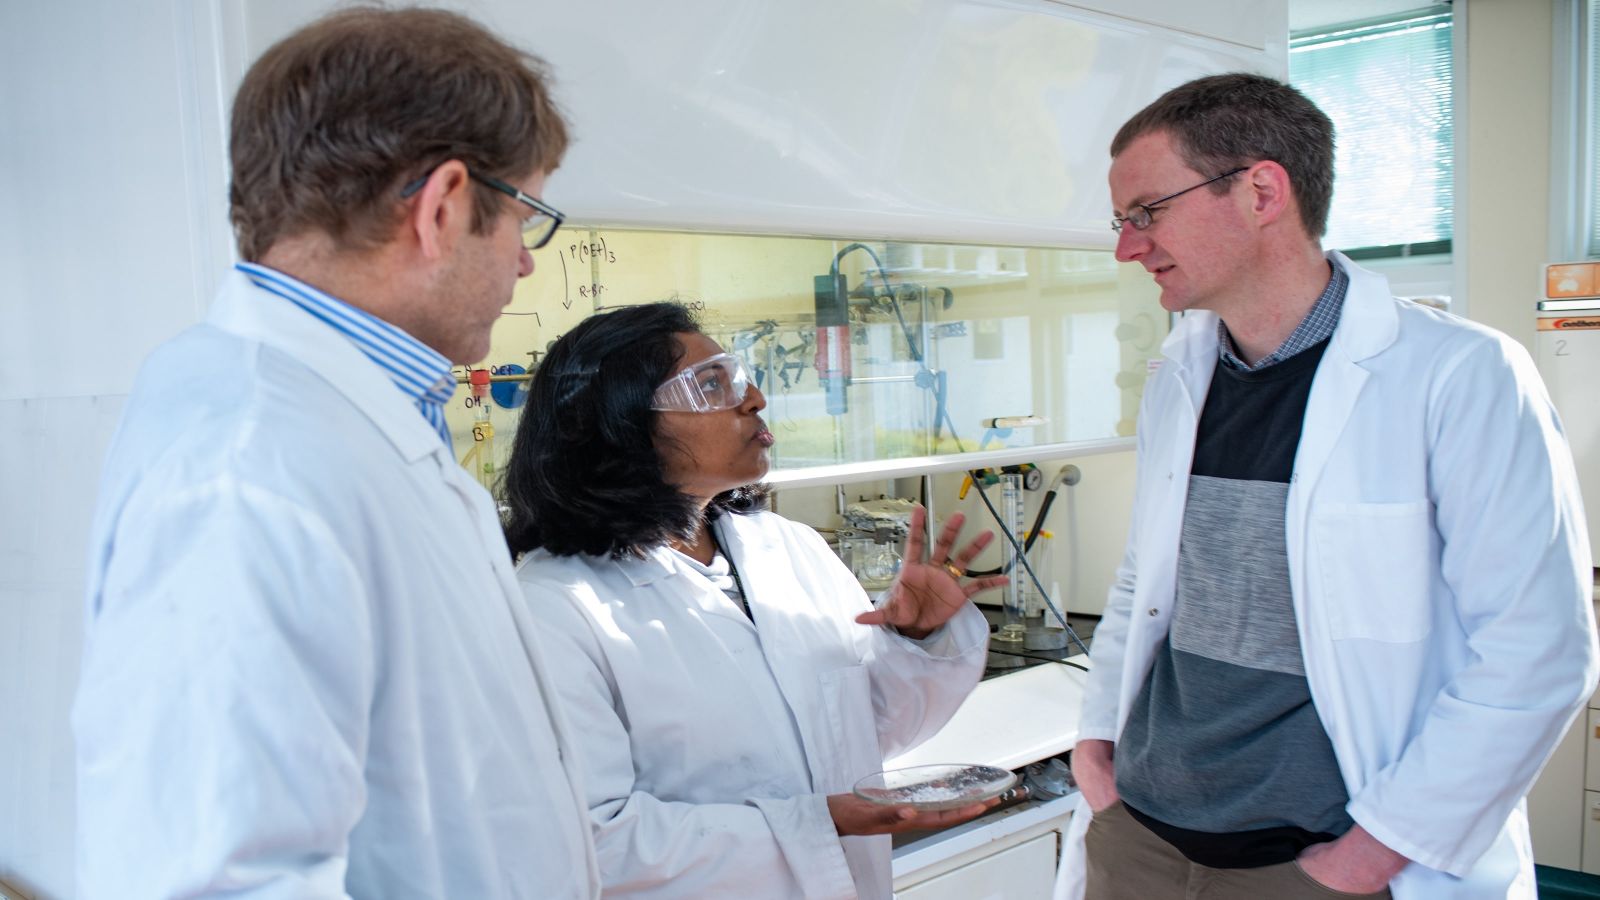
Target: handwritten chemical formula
x=593 y=255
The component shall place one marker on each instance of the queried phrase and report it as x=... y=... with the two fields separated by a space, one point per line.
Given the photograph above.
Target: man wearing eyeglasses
x=306 y=673
x=1353 y=618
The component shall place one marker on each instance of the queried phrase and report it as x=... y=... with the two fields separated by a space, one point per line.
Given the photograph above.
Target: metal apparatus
x=871 y=538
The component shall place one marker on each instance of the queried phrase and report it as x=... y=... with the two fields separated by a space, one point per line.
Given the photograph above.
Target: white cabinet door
x=1591 y=832
x=1024 y=872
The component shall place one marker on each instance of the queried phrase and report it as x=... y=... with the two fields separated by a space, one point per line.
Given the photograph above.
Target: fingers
x=916 y=536
x=876 y=617
x=887 y=819
x=944 y=818
x=852 y=815
x=970 y=552
x=916 y=533
x=979 y=585
x=947 y=538
x=896 y=818
x=907 y=818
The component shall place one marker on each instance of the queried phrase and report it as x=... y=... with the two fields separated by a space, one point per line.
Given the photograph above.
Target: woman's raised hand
x=927 y=593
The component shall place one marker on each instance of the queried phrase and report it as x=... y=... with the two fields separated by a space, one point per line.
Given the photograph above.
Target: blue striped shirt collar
x=419 y=371
x=1316 y=327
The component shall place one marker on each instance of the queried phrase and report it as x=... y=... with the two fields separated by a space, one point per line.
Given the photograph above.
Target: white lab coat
x=709 y=744
x=1439 y=566
x=307 y=671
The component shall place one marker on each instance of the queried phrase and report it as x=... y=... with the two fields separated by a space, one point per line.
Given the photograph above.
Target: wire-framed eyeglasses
x=537 y=229
x=1142 y=214
x=712 y=384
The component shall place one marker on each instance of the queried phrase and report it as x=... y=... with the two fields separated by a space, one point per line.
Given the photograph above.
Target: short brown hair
x=332 y=121
x=1221 y=122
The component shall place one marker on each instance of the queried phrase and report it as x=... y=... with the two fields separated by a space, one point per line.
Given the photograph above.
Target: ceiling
x=1309 y=14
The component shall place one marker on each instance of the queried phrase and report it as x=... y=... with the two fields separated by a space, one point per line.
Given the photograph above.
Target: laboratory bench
x=1013 y=718
x=1070 y=653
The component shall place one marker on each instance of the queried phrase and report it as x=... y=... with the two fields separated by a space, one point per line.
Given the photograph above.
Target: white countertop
x=1009 y=721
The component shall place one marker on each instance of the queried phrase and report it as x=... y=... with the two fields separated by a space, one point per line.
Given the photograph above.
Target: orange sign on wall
x=1572 y=280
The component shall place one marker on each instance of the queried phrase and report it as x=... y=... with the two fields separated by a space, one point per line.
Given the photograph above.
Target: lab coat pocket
x=854 y=752
x=1374 y=565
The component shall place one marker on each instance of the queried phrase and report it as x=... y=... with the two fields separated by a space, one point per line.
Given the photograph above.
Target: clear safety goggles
x=716 y=382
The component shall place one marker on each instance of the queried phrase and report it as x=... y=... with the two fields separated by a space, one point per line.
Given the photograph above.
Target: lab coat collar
x=1368 y=324
x=740 y=535
x=1369 y=321
x=656 y=564
x=752 y=548
x=244 y=309
x=739 y=538
x=763 y=560
x=673 y=576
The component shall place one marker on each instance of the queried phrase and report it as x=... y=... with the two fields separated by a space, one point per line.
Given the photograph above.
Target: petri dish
x=935 y=787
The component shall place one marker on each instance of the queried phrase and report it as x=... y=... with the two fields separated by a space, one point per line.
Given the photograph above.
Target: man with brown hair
x=305 y=672
x=1353 y=619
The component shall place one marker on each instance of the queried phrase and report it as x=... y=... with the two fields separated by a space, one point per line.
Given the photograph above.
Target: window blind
x=1387 y=87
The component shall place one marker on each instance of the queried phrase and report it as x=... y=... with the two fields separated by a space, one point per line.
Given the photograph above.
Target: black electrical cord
x=1027 y=544
x=1026 y=567
x=888 y=290
x=1064 y=662
x=911 y=341
x=905 y=329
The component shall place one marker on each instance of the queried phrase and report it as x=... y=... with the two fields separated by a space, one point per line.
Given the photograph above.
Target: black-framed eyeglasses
x=1142 y=214
x=537 y=229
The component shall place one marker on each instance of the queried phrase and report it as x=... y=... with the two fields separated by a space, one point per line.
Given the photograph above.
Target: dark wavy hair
x=584 y=474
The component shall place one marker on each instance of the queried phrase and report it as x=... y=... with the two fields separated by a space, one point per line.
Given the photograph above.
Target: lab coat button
x=1153 y=610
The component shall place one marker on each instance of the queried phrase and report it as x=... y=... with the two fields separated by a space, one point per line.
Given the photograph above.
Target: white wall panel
x=943 y=120
x=111 y=223
x=50 y=458
x=1259 y=24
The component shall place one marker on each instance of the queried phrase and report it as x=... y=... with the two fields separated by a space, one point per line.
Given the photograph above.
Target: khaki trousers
x=1127 y=861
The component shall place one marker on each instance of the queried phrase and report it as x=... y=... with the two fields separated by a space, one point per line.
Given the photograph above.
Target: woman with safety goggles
x=725 y=678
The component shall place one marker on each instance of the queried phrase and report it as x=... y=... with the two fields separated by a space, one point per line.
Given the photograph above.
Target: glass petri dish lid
x=935 y=787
